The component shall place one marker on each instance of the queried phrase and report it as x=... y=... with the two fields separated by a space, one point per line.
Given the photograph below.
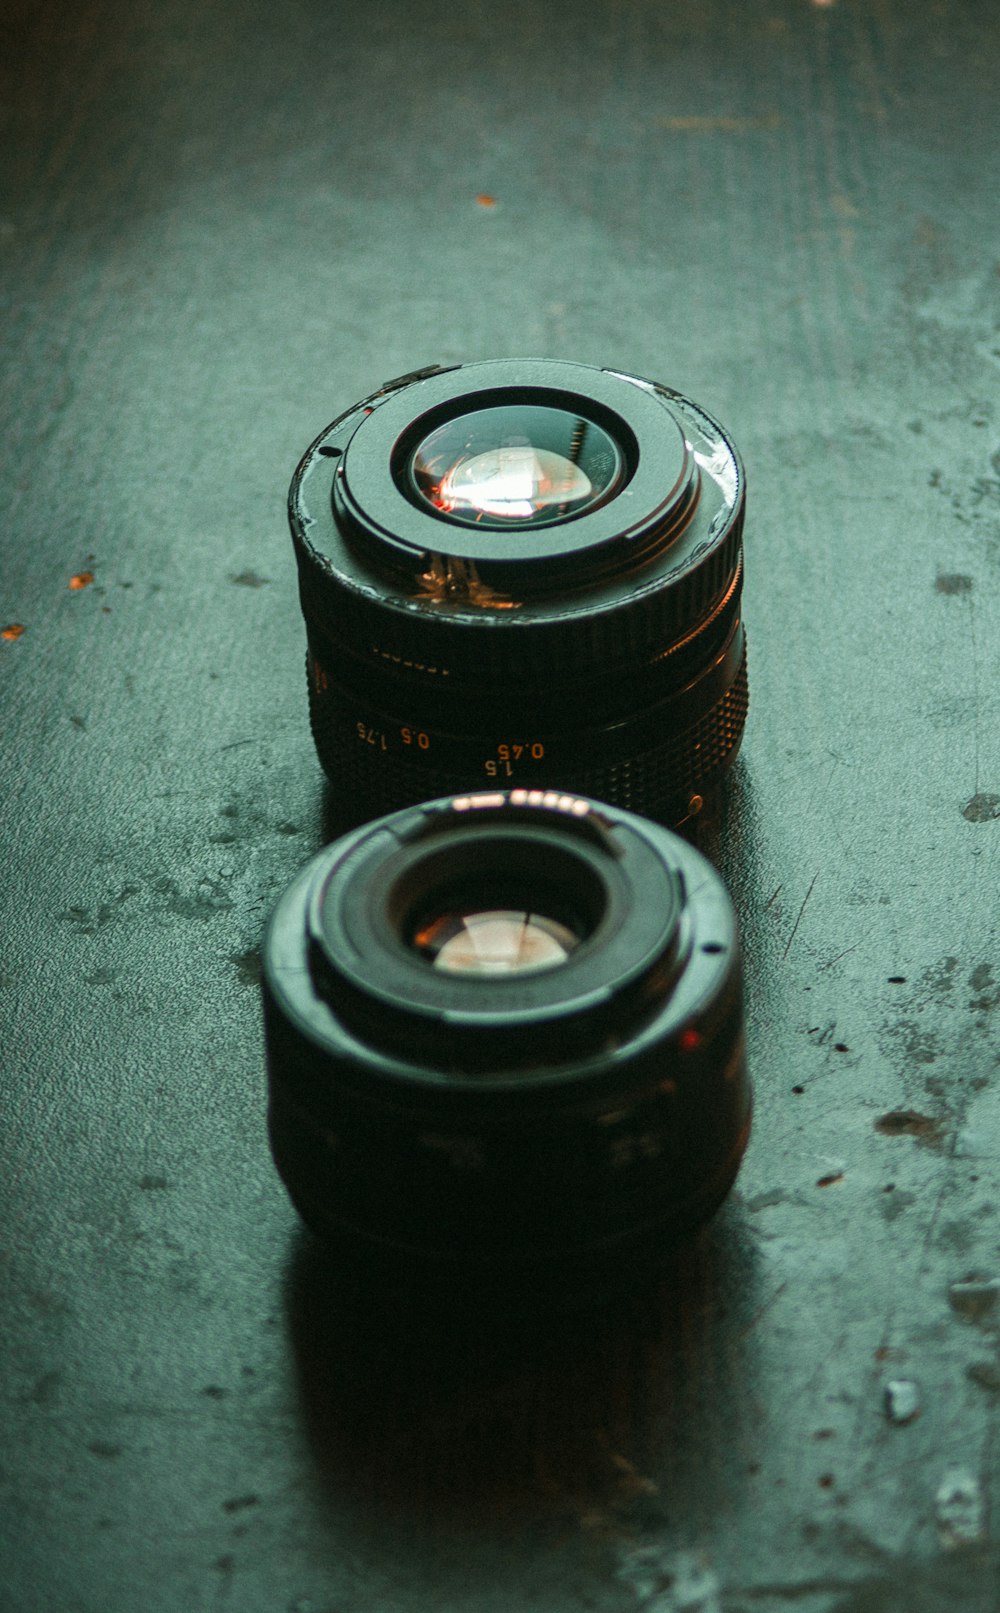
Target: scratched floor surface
x=221 y=226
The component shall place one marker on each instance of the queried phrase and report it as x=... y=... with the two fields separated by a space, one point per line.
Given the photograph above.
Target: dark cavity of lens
x=516 y=465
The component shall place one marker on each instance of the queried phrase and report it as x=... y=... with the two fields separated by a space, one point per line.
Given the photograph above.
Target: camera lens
x=523 y=574
x=505 y=1040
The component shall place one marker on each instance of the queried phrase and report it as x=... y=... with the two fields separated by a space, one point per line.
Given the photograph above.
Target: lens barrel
x=520 y=574
x=562 y=1095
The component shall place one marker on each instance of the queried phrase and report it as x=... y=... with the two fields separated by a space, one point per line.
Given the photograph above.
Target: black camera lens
x=505 y=1040
x=520 y=574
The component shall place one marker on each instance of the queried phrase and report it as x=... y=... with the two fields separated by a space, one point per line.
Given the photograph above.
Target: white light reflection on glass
x=515 y=482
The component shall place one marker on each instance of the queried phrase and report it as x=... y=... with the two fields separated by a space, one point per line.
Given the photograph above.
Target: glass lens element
x=516 y=483
x=499 y=941
x=516 y=465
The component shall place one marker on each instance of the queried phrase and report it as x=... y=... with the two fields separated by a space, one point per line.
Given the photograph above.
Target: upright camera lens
x=505 y=1039
x=519 y=574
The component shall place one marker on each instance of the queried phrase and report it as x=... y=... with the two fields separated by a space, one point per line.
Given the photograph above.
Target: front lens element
x=499 y=941
x=521 y=465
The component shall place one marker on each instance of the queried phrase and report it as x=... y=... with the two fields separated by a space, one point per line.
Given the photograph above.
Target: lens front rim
x=697 y=972
x=393 y=532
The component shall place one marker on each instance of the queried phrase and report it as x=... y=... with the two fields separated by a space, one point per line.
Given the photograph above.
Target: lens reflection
x=516 y=465
x=515 y=483
x=498 y=941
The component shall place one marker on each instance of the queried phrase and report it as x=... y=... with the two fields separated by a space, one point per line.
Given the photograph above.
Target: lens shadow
x=419 y=1407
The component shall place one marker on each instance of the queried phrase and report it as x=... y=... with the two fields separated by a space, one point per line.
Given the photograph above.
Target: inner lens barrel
x=505 y=1039
x=523 y=573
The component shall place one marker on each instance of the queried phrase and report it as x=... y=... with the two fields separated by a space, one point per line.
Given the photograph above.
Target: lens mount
x=646 y=564
x=613 y=894
x=409 y=539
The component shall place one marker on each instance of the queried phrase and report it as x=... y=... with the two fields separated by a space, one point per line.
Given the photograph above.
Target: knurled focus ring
x=496 y=642
x=657 y=782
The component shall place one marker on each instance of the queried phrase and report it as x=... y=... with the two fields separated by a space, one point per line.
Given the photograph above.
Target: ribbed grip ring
x=614 y=628
x=623 y=582
x=657 y=782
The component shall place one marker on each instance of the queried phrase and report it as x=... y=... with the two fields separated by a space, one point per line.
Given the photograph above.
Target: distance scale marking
x=386 y=734
x=378 y=738
x=508 y=757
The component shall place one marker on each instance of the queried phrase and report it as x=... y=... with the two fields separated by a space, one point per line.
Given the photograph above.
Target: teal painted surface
x=219 y=229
